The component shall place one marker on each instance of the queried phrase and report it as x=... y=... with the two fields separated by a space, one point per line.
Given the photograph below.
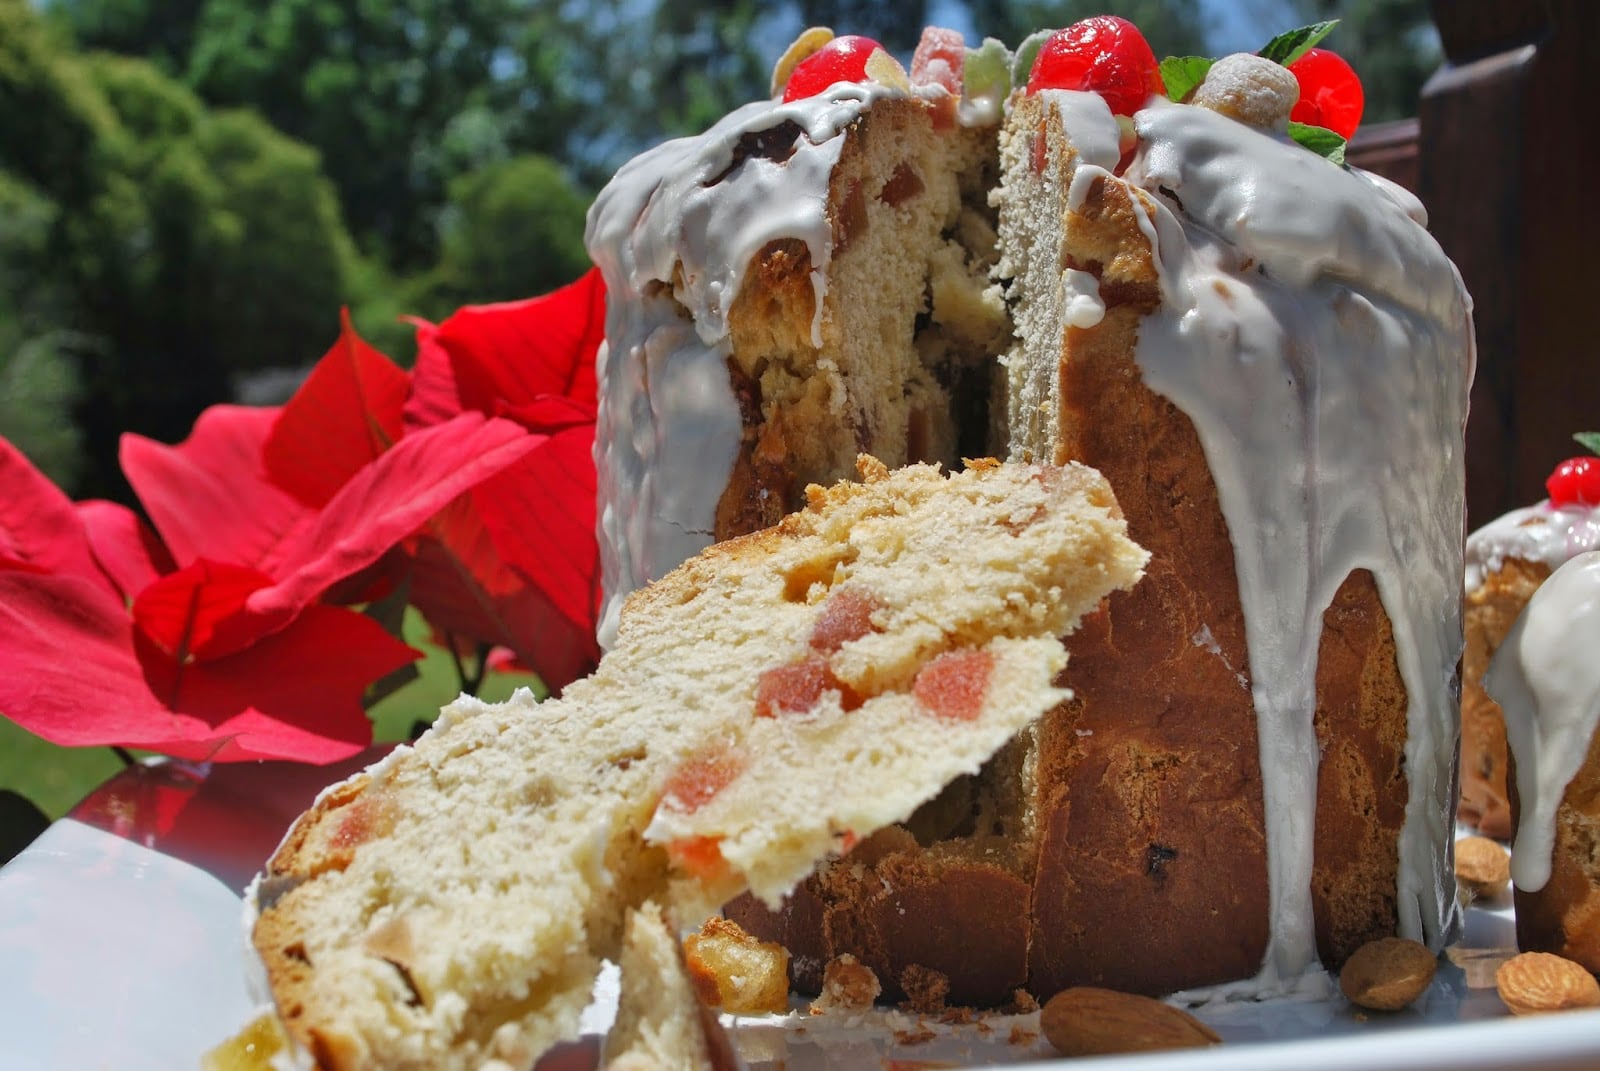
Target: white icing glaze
x=1546 y=678
x=1537 y=533
x=669 y=425
x=1292 y=289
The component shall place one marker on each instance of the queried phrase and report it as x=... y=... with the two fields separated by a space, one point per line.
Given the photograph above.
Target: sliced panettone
x=766 y=704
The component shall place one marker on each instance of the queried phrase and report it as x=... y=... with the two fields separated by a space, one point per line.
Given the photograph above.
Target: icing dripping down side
x=1290 y=288
x=673 y=234
x=1546 y=680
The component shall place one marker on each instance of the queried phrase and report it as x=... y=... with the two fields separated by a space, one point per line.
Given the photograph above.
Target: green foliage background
x=191 y=189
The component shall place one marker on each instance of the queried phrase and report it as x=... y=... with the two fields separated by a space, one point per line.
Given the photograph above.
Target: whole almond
x=1483 y=868
x=1387 y=974
x=1086 y=1021
x=1534 y=982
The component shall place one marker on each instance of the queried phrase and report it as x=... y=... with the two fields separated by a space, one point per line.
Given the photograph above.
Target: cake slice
x=772 y=700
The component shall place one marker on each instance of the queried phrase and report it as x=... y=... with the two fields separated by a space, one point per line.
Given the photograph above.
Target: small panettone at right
x=1507 y=560
x=1546 y=678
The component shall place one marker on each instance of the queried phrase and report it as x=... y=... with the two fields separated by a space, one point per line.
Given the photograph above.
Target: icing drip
x=673 y=234
x=1290 y=290
x=1538 y=533
x=1544 y=677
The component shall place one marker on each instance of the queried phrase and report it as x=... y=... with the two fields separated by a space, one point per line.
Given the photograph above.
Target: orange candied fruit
x=953 y=685
x=694 y=784
x=699 y=856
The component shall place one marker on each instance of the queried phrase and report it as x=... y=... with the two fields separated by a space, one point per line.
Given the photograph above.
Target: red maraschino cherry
x=1575 y=482
x=843 y=59
x=1106 y=55
x=1330 y=92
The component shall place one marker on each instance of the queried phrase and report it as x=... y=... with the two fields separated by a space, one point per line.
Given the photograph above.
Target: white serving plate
x=122 y=955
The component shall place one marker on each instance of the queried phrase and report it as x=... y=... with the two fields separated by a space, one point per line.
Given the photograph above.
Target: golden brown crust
x=1151 y=774
x=1489 y=614
x=1361 y=729
x=1564 y=917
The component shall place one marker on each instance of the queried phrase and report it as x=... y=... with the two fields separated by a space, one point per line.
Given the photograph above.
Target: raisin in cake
x=1545 y=678
x=1507 y=560
x=765 y=704
x=1270 y=358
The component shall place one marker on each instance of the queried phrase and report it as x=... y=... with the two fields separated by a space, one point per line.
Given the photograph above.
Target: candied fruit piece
x=846 y=616
x=693 y=784
x=798 y=686
x=953 y=685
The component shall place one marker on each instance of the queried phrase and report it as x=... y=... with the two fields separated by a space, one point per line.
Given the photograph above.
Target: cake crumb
x=848 y=985
x=735 y=972
x=1021 y=1035
x=1022 y=1003
x=922 y=1034
x=925 y=989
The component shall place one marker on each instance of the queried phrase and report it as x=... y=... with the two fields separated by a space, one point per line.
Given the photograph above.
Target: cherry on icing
x=1330 y=93
x=843 y=59
x=1575 y=482
x=1104 y=54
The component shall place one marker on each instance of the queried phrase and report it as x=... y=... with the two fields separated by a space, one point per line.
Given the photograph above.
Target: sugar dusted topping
x=1546 y=680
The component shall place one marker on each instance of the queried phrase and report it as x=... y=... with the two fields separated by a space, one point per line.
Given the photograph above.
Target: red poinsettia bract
x=467 y=486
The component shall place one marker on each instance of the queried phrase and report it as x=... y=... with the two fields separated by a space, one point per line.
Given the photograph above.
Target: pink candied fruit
x=1105 y=55
x=1330 y=93
x=940 y=59
x=1575 y=482
x=843 y=59
x=798 y=686
x=846 y=616
x=954 y=684
x=703 y=775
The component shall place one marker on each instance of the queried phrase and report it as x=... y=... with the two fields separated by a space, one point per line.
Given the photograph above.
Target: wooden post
x=1508 y=164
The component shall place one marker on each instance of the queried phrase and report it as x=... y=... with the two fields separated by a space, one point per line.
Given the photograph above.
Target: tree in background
x=184 y=245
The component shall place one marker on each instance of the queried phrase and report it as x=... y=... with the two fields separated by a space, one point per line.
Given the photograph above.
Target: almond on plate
x=1387 y=974
x=1533 y=982
x=1086 y=1021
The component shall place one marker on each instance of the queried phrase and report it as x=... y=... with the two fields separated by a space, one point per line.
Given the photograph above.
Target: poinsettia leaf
x=434 y=398
x=515 y=352
x=39 y=531
x=541 y=515
x=127 y=551
x=209 y=496
x=195 y=613
x=69 y=673
x=342 y=418
x=549 y=414
x=296 y=694
x=519 y=618
x=387 y=501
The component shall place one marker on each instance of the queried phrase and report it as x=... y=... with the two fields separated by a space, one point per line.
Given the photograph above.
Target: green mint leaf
x=1320 y=140
x=1288 y=47
x=1181 y=74
x=1590 y=441
x=1027 y=52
